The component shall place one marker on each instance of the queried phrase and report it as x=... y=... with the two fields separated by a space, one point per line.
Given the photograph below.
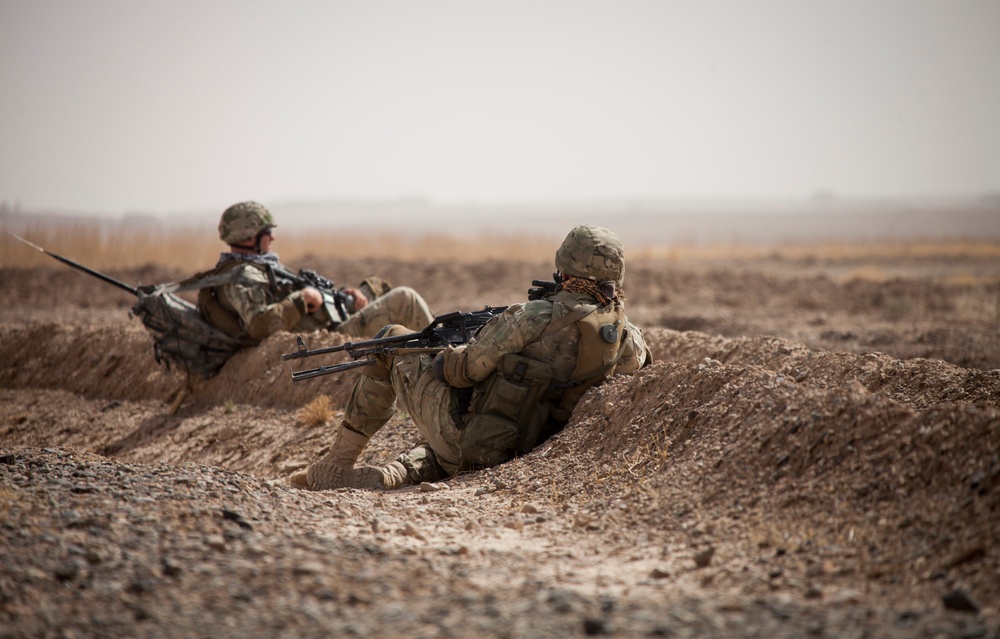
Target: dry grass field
x=814 y=453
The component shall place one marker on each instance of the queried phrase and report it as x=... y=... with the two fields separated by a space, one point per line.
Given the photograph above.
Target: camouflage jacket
x=261 y=310
x=521 y=329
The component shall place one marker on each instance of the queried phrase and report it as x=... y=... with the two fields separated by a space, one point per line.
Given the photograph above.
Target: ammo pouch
x=508 y=412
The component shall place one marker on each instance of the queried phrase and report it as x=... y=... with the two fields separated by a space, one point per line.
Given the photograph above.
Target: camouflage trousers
x=401 y=305
x=408 y=382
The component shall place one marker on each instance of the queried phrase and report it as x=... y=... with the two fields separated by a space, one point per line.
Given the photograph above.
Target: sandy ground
x=815 y=453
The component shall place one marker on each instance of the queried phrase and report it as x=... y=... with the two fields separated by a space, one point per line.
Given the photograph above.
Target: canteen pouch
x=508 y=412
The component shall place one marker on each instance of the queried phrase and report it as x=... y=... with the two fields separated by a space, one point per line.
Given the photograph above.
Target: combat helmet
x=592 y=252
x=242 y=222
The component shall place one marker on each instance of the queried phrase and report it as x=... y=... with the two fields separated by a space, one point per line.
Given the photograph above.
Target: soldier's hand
x=313 y=299
x=360 y=301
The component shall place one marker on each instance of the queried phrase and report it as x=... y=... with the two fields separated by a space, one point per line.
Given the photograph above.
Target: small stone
x=959 y=600
x=236 y=517
x=308 y=568
x=703 y=558
x=592 y=627
x=412 y=531
x=171 y=568
x=216 y=542
x=514 y=524
x=67 y=571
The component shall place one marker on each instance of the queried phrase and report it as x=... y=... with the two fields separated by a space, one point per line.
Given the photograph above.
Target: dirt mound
x=920 y=382
x=820 y=484
x=116 y=361
x=827 y=463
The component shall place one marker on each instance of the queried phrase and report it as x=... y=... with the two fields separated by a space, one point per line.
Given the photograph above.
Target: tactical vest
x=512 y=406
x=215 y=311
x=602 y=343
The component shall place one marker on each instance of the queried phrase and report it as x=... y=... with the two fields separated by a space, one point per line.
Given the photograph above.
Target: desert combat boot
x=337 y=469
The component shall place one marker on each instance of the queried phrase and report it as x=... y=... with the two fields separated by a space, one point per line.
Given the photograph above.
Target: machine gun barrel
x=352 y=347
x=444 y=330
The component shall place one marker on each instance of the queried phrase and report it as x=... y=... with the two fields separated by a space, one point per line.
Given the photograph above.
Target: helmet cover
x=594 y=253
x=242 y=222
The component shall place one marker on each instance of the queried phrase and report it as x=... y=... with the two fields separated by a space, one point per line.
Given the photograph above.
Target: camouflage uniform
x=413 y=385
x=263 y=311
x=250 y=306
x=412 y=382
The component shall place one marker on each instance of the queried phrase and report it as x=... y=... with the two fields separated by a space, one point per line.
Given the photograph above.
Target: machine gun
x=334 y=301
x=541 y=288
x=445 y=330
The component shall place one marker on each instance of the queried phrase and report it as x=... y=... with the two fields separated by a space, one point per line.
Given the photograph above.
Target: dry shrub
x=317 y=412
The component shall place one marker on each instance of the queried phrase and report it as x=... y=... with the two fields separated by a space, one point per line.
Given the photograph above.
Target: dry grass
x=902 y=249
x=108 y=244
x=317 y=412
x=104 y=246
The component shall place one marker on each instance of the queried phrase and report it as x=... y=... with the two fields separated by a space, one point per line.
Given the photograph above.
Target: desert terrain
x=815 y=452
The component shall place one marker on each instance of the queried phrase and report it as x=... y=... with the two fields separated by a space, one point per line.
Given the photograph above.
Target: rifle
x=76 y=265
x=334 y=301
x=444 y=330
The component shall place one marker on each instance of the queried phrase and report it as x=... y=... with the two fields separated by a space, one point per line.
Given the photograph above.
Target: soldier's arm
x=249 y=296
x=509 y=332
x=637 y=353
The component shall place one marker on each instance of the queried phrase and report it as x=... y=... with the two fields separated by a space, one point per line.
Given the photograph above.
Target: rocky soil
x=815 y=453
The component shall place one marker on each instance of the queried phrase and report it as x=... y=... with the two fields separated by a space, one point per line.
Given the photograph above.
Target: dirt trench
x=743 y=485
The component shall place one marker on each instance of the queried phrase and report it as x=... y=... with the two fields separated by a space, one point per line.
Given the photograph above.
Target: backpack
x=180 y=335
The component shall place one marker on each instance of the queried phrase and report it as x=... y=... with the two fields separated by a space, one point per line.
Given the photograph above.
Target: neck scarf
x=604 y=292
x=266 y=259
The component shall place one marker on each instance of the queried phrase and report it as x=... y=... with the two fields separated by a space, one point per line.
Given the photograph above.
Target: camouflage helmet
x=594 y=253
x=242 y=222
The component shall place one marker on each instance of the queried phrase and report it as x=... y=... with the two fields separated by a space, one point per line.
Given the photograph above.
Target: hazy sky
x=135 y=105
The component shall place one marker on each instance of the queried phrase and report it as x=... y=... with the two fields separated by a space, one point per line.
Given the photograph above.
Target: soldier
x=515 y=384
x=251 y=305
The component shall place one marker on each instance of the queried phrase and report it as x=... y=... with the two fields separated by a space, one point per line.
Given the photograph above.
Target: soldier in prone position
x=254 y=303
x=505 y=391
